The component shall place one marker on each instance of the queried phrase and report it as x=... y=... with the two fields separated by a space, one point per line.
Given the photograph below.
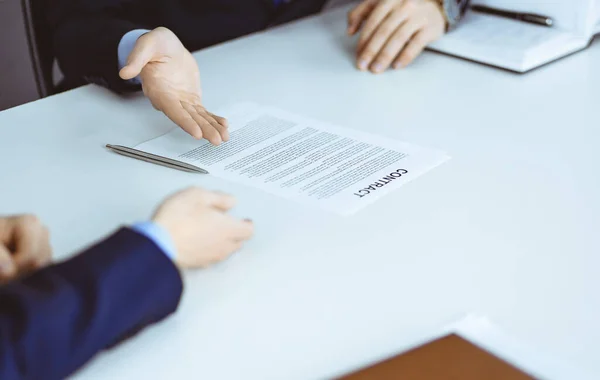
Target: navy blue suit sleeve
x=85 y=37
x=54 y=321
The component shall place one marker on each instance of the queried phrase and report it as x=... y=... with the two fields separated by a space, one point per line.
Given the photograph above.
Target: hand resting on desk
x=202 y=230
x=196 y=221
x=394 y=32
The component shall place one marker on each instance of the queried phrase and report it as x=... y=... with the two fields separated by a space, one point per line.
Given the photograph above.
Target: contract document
x=301 y=159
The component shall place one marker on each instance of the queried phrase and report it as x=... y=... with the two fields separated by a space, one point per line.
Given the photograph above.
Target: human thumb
x=142 y=53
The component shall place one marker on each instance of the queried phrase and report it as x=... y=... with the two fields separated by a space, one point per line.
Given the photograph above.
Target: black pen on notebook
x=531 y=18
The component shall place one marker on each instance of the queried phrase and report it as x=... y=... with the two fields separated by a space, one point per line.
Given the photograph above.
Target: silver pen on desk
x=531 y=18
x=152 y=158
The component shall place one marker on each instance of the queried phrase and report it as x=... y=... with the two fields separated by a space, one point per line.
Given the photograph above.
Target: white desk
x=508 y=228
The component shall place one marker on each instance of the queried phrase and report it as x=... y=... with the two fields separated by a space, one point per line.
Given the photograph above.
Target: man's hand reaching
x=171 y=80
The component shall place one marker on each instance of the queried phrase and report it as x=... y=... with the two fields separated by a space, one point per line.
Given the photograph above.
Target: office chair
x=40 y=42
x=25 y=53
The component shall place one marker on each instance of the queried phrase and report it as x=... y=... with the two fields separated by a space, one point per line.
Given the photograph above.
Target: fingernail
x=362 y=64
x=378 y=67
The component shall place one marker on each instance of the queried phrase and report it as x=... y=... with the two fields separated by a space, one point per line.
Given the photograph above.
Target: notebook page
x=506 y=43
x=568 y=15
x=503 y=35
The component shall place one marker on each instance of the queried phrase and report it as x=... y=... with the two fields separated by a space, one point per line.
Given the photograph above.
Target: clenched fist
x=24 y=246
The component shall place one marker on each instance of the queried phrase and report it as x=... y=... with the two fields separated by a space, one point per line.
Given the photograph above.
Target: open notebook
x=519 y=46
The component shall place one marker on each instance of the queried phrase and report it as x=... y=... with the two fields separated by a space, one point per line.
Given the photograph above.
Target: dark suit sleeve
x=54 y=321
x=86 y=35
